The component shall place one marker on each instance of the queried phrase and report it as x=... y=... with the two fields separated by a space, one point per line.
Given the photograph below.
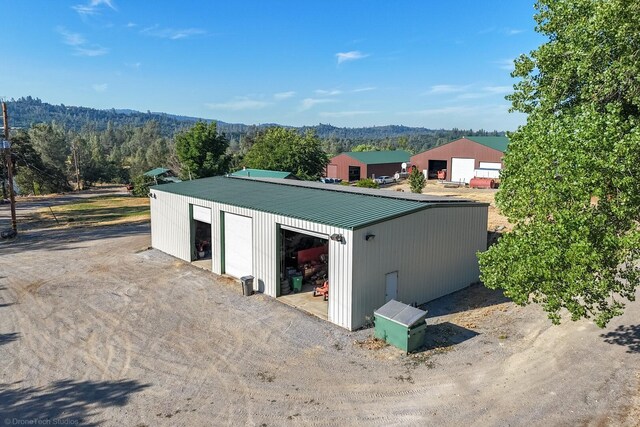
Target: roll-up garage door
x=238 y=245
x=462 y=170
x=202 y=214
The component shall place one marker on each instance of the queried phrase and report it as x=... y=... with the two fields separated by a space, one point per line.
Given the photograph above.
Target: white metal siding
x=170 y=233
x=434 y=252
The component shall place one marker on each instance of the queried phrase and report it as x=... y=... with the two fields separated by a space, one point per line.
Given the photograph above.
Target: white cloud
x=171 y=33
x=80 y=45
x=350 y=56
x=514 y=31
x=239 y=105
x=308 y=103
x=364 y=89
x=332 y=92
x=283 y=95
x=439 y=111
x=505 y=64
x=131 y=25
x=101 y=87
x=134 y=65
x=486 y=91
x=90 y=51
x=340 y=114
x=72 y=39
x=92 y=7
x=498 y=89
x=442 y=89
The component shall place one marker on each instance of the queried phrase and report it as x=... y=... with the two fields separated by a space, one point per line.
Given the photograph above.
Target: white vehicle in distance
x=384 y=179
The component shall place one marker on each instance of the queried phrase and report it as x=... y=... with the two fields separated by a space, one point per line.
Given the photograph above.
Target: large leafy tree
x=571 y=183
x=287 y=150
x=202 y=151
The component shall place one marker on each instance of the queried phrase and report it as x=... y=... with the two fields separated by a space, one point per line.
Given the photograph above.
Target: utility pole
x=12 y=197
x=75 y=160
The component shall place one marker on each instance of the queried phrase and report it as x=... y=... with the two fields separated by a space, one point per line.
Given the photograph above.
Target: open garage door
x=238 y=245
x=462 y=170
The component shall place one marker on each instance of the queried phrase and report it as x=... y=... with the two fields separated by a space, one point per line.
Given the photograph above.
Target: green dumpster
x=296 y=283
x=400 y=325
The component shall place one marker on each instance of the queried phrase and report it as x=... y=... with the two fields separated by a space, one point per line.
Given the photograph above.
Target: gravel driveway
x=95 y=329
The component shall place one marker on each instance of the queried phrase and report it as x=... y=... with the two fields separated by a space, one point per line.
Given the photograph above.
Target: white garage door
x=238 y=245
x=202 y=214
x=462 y=170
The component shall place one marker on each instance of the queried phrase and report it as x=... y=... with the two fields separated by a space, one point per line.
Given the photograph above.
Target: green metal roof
x=156 y=172
x=380 y=157
x=496 y=142
x=339 y=209
x=261 y=173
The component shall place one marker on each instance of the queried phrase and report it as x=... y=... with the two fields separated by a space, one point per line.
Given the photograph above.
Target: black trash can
x=247 y=285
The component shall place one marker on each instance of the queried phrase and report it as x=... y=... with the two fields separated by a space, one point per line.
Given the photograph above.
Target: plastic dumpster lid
x=401 y=313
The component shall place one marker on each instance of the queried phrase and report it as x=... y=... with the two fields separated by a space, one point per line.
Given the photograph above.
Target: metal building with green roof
x=353 y=166
x=263 y=173
x=464 y=158
x=374 y=245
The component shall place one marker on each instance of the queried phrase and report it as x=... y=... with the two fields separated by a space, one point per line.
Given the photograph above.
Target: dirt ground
x=96 y=329
x=497 y=222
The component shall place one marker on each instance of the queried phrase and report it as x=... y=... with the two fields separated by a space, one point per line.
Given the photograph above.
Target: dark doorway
x=304 y=269
x=434 y=167
x=202 y=240
x=354 y=173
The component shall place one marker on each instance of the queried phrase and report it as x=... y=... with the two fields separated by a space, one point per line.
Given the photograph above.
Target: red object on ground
x=312 y=254
x=482 y=183
x=322 y=290
x=442 y=174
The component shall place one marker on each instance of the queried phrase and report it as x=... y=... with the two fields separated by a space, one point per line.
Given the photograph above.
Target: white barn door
x=238 y=245
x=462 y=170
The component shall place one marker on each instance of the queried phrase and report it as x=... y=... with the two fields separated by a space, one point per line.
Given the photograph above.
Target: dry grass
x=95 y=211
x=497 y=222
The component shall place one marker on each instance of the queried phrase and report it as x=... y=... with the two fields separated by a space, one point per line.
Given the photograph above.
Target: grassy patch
x=95 y=211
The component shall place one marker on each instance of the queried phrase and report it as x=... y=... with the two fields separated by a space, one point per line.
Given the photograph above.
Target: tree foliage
x=287 y=150
x=416 y=181
x=202 y=151
x=367 y=183
x=571 y=183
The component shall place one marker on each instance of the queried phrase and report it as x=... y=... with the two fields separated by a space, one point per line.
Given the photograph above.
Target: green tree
x=32 y=175
x=50 y=141
x=287 y=150
x=571 y=183
x=367 y=183
x=202 y=151
x=365 y=147
x=416 y=181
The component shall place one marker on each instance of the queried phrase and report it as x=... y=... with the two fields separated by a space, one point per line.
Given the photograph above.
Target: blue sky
x=436 y=64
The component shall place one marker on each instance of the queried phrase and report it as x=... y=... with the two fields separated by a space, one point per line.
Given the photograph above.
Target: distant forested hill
x=28 y=111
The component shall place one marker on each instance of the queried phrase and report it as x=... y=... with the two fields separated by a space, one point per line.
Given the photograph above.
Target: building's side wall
x=464 y=148
x=433 y=251
x=171 y=223
x=388 y=169
x=342 y=163
x=170 y=233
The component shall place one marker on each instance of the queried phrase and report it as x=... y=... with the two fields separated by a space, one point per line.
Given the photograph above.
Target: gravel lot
x=95 y=329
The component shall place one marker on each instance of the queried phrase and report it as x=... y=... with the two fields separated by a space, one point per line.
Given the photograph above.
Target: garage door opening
x=435 y=166
x=304 y=269
x=354 y=173
x=202 y=244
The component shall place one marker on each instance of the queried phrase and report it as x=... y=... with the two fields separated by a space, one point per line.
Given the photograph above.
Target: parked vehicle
x=330 y=180
x=384 y=179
